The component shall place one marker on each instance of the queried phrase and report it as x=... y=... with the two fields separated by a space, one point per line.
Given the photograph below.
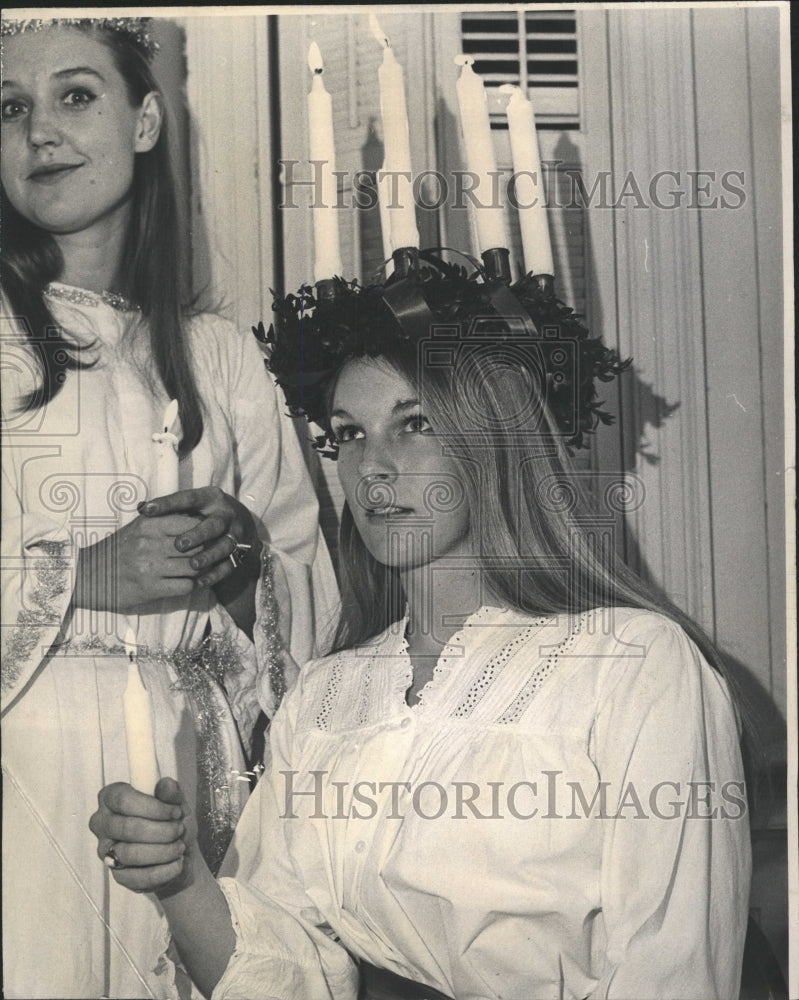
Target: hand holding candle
x=327 y=252
x=138 y=712
x=166 y=458
x=397 y=146
x=480 y=159
x=526 y=162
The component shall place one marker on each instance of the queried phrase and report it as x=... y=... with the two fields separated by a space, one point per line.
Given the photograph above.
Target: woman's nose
x=376 y=461
x=43 y=129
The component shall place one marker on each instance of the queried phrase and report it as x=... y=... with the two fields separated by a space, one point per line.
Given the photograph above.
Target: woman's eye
x=418 y=424
x=78 y=97
x=13 y=110
x=346 y=433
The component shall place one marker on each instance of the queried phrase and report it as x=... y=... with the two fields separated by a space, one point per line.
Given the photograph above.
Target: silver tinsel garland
x=269 y=624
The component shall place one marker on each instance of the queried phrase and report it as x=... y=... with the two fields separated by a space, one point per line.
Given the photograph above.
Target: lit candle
x=396 y=144
x=327 y=252
x=138 y=711
x=530 y=195
x=480 y=159
x=166 y=454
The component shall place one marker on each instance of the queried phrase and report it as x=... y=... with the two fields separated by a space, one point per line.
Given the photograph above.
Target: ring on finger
x=239 y=552
x=110 y=859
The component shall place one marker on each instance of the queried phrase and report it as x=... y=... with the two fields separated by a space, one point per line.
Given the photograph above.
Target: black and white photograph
x=398 y=503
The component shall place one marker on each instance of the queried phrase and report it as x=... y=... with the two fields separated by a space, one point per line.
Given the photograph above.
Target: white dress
x=73 y=472
x=561 y=816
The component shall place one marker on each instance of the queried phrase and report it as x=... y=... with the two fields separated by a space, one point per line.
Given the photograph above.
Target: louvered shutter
x=536 y=50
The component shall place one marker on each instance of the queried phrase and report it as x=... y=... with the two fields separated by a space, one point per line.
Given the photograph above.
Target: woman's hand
x=153 y=838
x=136 y=566
x=154 y=842
x=224 y=524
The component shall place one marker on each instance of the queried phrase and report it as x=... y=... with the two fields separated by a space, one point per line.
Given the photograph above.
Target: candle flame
x=170 y=415
x=377 y=31
x=315 y=62
x=130 y=644
x=462 y=60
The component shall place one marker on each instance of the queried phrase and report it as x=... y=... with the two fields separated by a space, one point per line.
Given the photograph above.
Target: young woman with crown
x=103 y=338
x=518 y=775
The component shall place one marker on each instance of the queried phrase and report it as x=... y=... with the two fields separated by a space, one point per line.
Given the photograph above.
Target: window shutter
x=535 y=50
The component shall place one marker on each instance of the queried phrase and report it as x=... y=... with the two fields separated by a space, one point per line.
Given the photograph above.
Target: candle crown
x=312 y=338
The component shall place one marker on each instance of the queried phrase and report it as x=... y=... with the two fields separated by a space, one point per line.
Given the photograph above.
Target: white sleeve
x=278 y=957
x=283 y=947
x=676 y=858
x=38 y=565
x=276 y=486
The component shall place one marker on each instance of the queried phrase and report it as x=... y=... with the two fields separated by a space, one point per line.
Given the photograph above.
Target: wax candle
x=383 y=195
x=530 y=194
x=396 y=144
x=480 y=159
x=327 y=252
x=137 y=707
x=166 y=455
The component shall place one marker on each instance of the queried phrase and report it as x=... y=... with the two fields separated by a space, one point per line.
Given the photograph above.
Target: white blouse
x=561 y=815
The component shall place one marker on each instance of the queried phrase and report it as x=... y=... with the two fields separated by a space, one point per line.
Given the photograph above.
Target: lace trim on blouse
x=516 y=709
x=331 y=694
x=451 y=655
x=367 y=685
x=483 y=682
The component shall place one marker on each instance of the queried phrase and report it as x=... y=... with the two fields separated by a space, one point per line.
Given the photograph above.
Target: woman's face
x=70 y=133
x=404 y=493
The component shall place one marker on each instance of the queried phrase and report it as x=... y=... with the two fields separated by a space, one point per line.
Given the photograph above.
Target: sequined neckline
x=83 y=297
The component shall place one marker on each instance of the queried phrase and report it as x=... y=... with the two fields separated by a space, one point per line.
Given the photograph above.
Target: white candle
x=385 y=223
x=166 y=454
x=142 y=763
x=396 y=144
x=327 y=252
x=530 y=195
x=480 y=160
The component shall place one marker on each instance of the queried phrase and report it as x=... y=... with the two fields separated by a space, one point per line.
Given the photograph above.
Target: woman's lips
x=53 y=172
x=387 y=511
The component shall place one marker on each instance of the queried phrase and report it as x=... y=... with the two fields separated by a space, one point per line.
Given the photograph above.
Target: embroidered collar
x=83 y=297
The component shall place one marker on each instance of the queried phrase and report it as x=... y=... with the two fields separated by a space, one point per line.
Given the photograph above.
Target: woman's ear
x=148 y=127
